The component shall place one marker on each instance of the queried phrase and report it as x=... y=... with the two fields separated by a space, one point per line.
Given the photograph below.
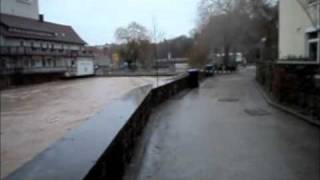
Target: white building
x=299 y=26
x=30 y=46
x=22 y=8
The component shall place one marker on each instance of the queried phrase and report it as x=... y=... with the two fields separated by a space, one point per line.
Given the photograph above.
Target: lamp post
x=262 y=48
x=318 y=31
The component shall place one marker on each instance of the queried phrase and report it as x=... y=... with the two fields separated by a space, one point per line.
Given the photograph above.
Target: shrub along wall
x=292 y=85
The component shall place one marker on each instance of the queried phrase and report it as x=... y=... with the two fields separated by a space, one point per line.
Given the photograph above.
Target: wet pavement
x=226 y=131
x=34 y=117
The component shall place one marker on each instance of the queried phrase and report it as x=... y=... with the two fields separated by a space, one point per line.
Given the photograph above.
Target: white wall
x=24 y=8
x=292 y=26
x=85 y=66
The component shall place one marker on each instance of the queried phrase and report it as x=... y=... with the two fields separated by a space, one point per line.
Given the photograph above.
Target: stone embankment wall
x=119 y=154
x=103 y=146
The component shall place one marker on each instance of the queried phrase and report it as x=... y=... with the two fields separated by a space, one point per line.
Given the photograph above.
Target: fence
x=294 y=86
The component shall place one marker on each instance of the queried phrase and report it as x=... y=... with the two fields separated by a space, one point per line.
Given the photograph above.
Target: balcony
x=32 y=70
x=41 y=70
x=28 y=51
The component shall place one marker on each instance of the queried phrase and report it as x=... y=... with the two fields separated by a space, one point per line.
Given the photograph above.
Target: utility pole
x=157 y=36
x=318 y=30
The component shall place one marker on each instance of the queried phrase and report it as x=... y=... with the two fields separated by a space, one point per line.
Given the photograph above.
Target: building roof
x=20 y=27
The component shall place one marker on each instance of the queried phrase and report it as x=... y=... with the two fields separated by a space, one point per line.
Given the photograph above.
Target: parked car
x=209 y=69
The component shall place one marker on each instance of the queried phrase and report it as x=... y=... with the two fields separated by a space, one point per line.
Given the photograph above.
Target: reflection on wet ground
x=34 y=117
x=225 y=130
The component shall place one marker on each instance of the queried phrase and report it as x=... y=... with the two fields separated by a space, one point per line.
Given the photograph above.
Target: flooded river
x=36 y=116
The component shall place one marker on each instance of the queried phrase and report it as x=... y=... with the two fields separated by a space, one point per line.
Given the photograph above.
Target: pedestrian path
x=226 y=131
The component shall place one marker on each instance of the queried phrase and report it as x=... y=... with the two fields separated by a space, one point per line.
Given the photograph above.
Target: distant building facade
x=102 y=58
x=299 y=35
x=172 y=64
x=218 y=58
x=22 y=8
x=32 y=47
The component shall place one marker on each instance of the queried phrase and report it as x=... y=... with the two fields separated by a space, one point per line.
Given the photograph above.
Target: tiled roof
x=20 y=27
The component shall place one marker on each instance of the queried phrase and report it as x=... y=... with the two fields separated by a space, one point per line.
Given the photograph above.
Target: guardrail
x=104 y=145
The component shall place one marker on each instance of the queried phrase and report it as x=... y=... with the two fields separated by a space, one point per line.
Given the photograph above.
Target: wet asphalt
x=226 y=131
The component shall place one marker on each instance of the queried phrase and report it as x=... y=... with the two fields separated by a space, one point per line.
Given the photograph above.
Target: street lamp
x=262 y=48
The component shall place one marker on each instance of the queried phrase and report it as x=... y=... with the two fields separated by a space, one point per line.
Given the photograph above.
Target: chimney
x=41 y=17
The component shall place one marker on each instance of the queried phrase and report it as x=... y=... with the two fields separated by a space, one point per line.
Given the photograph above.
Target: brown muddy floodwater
x=36 y=116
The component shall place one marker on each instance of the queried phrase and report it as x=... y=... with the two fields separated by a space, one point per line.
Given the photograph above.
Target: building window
x=26 y=63
x=32 y=45
x=313 y=35
x=313 y=46
x=313 y=50
x=49 y=63
x=2 y=63
x=33 y=63
x=22 y=43
x=44 y=64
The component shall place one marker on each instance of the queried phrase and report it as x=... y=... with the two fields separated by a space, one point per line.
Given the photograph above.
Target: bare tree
x=133 y=32
x=223 y=25
x=137 y=46
x=232 y=25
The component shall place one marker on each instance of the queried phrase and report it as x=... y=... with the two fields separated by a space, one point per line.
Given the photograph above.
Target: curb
x=284 y=108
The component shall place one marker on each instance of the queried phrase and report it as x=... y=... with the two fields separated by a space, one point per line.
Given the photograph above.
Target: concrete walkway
x=226 y=131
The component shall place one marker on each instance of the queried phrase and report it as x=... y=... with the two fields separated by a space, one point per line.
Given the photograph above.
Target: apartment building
x=299 y=31
x=32 y=47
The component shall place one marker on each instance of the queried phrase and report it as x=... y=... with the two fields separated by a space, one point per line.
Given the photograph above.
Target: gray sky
x=97 y=20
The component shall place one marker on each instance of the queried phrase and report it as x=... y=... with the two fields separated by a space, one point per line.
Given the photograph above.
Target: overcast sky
x=97 y=20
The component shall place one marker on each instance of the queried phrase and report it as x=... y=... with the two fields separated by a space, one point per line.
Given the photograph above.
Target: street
x=226 y=131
